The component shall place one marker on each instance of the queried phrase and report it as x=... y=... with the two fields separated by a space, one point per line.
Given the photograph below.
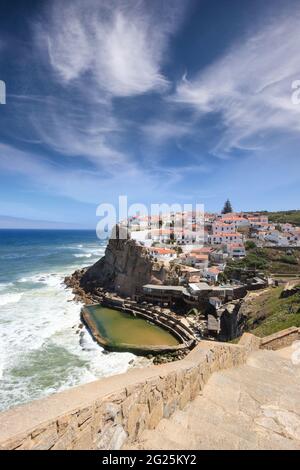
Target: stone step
x=197 y=435
x=254 y=406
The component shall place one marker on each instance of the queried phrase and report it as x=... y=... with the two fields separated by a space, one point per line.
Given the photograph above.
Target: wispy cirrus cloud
x=78 y=130
x=91 y=52
x=119 y=45
x=160 y=131
x=84 y=185
x=249 y=87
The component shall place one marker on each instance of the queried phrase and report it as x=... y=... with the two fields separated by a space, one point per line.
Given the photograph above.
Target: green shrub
x=250 y=245
x=288 y=259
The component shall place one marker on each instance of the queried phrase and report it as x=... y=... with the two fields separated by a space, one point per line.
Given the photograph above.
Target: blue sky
x=162 y=101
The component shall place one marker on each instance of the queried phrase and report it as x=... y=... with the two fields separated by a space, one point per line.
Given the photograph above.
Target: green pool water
x=120 y=327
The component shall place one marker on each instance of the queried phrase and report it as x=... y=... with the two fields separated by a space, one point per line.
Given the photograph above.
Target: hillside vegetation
x=291 y=217
x=266 y=313
x=268 y=260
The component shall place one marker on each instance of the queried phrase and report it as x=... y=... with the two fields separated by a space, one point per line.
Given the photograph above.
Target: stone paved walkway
x=255 y=406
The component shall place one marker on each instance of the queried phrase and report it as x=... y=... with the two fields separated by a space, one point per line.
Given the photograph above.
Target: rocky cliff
x=125 y=268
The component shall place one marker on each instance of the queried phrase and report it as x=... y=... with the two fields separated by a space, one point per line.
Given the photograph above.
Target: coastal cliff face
x=125 y=268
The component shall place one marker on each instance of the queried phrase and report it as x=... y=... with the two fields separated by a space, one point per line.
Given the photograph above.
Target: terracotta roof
x=233 y=217
x=214 y=270
x=199 y=257
x=160 y=231
x=188 y=269
x=227 y=234
x=235 y=245
x=162 y=251
x=204 y=249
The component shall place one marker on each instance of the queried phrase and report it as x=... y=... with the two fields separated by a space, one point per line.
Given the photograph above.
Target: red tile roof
x=227 y=234
x=162 y=251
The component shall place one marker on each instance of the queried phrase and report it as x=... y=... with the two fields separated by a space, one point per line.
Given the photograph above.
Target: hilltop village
x=198 y=268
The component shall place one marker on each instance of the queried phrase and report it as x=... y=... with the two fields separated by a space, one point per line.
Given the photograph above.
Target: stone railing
x=278 y=340
x=108 y=413
x=281 y=339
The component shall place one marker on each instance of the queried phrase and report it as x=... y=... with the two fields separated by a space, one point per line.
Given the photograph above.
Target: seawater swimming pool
x=117 y=327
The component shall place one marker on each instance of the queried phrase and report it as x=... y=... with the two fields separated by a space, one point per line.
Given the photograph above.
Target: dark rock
x=124 y=269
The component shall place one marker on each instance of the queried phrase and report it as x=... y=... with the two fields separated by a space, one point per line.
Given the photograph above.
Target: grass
x=291 y=217
x=268 y=313
x=288 y=259
x=269 y=260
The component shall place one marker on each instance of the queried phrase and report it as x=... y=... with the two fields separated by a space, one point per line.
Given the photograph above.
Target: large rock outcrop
x=124 y=269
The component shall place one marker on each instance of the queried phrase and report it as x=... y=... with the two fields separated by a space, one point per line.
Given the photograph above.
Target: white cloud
x=68 y=46
x=99 y=50
x=78 y=132
x=120 y=45
x=84 y=185
x=160 y=131
x=250 y=87
x=73 y=128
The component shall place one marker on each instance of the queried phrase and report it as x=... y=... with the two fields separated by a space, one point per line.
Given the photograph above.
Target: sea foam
x=42 y=350
x=10 y=298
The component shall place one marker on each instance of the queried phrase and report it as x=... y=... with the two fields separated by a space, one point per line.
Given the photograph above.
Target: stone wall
x=281 y=339
x=108 y=413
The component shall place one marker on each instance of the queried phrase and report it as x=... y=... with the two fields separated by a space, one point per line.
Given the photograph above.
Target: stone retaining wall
x=281 y=339
x=108 y=413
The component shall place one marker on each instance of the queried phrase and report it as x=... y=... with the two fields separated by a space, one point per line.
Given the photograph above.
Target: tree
x=250 y=245
x=227 y=207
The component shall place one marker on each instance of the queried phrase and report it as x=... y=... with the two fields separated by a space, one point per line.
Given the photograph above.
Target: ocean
x=41 y=350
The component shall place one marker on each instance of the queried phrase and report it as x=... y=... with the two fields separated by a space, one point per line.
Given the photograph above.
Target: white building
x=273 y=236
x=234 y=220
x=258 y=221
x=221 y=227
x=165 y=254
x=188 y=237
x=212 y=273
x=287 y=227
x=281 y=238
x=287 y=238
x=198 y=260
x=225 y=238
x=139 y=235
x=236 y=250
x=160 y=235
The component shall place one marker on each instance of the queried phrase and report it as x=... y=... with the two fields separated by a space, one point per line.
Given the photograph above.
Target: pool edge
x=139 y=350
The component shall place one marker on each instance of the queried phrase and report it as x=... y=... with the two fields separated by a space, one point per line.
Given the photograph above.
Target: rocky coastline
x=124 y=269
